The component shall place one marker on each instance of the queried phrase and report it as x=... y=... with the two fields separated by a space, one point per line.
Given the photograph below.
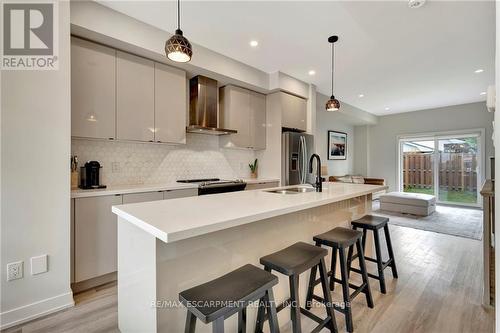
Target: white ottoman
x=408 y=203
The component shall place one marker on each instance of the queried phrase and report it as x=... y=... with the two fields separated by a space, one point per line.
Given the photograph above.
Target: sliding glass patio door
x=447 y=166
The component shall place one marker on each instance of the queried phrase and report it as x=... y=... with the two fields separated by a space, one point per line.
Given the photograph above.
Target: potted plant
x=253 y=169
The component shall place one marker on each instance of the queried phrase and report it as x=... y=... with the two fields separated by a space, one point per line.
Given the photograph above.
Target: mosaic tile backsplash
x=125 y=163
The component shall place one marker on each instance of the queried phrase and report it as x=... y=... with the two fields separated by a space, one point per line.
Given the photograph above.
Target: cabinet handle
x=111 y=138
x=158 y=141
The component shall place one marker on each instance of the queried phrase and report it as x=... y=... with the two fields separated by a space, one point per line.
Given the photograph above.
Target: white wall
x=35 y=148
x=382 y=150
x=336 y=121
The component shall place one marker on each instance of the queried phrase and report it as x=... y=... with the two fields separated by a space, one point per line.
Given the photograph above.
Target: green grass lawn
x=451 y=196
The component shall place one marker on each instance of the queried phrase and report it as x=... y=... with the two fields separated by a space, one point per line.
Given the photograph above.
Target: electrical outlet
x=15 y=270
x=115 y=167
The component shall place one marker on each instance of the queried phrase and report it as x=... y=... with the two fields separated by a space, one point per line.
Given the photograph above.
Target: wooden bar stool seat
x=216 y=300
x=375 y=223
x=292 y=261
x=340 y=239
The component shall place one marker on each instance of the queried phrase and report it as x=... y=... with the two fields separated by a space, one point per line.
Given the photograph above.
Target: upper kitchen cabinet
x=93 y=91
x=135 y=98
x=235 y=114
x=244 y=111
x=294 y=112
x=170 y=104
x=257 y=120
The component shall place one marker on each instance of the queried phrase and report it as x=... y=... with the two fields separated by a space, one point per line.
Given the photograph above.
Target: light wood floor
x=438 y=290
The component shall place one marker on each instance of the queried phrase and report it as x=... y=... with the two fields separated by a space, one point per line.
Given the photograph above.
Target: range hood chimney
x=204 y=107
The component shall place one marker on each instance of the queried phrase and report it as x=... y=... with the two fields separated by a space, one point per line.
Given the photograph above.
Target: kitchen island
x=167 y=246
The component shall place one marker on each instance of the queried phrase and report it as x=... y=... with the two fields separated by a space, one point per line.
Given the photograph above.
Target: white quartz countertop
x=176 y=219
x=141 y=188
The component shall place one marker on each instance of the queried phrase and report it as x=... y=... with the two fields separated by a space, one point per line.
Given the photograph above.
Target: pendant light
x=333 y=104
x=178 y=48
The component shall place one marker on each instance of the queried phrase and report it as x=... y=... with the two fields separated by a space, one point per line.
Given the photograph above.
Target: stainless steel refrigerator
x=296 y=149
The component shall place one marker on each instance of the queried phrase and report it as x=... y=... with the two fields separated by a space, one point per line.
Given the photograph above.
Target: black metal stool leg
x=190 y=323
x=218 y=325
x=327 y=296
x=345 y=290
x=364 y=274
x=380 y=264
x=294 y=306
x=273 y=315
x=391 y=253
x=333 y=268
x=310 y=288
x=242 y=321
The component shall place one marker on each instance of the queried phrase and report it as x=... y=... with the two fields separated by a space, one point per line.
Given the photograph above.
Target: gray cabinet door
x=257 y=120
x=92 y=90
x=189 y=192
x=294 y=111
x=134 y=98
x=235 y=114
x=142 y=197
x=170 y=104
x=95 y=236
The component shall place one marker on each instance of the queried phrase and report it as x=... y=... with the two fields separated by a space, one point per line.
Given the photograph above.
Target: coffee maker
x=89 y=176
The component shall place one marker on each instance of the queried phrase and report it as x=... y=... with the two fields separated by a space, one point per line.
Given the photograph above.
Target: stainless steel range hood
x=204 y=108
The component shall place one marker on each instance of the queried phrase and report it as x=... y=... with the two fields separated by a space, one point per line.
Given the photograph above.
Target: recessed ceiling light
x=416 y=3
x=387 y=109
x=254 y=43
x=477 y=71
x=483 y=93
x=311 y=72
x=361 y=95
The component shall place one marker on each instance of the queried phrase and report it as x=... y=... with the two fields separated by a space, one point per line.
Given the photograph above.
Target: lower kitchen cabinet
x=142 y=197
x=95 y=236
x=172 y=194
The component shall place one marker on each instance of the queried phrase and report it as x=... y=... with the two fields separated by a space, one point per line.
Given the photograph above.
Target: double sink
x=292 y=190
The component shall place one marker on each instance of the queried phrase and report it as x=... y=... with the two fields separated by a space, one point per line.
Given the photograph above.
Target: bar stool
x=292 y=261
x=375 y=223
x=216 y=300
x=339 y=239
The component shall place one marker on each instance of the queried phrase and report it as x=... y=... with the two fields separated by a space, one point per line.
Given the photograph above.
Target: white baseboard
x=35 y=310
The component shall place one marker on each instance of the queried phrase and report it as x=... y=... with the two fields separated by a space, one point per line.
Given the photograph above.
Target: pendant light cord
x=332 y=66
x=178 y=14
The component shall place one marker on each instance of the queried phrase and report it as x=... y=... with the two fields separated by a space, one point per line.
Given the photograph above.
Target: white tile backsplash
x=129 y=163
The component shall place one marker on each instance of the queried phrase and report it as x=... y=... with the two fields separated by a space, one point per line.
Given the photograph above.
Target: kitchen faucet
x=319 y=183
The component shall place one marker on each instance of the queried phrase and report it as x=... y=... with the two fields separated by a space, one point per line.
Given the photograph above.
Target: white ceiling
x=399 y=58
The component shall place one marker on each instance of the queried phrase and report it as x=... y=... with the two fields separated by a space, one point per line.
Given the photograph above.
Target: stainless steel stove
x=216 y=185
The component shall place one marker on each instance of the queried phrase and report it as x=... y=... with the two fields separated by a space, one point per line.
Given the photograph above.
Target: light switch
x=39 y=264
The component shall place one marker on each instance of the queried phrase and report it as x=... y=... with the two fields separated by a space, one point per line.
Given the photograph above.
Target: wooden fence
x=457 y=171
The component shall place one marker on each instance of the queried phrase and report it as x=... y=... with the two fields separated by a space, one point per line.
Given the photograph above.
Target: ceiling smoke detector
x=416 y=3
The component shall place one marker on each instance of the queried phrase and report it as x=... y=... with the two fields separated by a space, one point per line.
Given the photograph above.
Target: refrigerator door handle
x=305 y=159
x=300 y=160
